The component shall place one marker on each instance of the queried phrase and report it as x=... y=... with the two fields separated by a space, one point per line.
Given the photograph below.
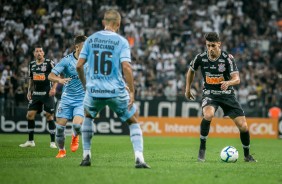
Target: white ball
x=229 y=154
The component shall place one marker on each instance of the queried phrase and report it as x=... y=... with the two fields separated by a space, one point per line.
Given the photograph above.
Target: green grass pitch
x=173 y=160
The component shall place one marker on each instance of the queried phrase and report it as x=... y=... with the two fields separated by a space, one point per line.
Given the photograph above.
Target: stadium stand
x=164 y=35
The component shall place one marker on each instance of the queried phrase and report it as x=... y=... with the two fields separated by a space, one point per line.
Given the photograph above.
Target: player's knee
x=60 y=130
x=51 y=125
x=243 y=127
x=30 y=116
x=131 y=120
x=87 y=126
x=87 y=114
x=208 y=116
x=49 y=117
x=136 y=114
x=60 y=122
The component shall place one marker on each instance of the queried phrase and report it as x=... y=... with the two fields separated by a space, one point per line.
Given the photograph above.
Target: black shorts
x=228 y=103
x=39 y=103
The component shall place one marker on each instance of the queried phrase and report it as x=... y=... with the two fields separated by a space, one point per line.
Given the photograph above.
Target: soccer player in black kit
x=220 y=73
x=40 y=93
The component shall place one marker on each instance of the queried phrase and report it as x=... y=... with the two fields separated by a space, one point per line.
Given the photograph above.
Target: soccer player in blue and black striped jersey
x=109 y=71
x=71 y=104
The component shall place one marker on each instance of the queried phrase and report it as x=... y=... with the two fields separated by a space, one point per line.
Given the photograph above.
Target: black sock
x=203 y=144
x=30 y=127
x=52 y=128
x=245 y=139
x=205 y=128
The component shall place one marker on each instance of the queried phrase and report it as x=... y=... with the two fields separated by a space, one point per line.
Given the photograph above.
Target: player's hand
x=131 y=100
x=64 y=80
x=52 y=92
x=189 y=95
x=28 y=95
x=224 y=85
x=127 y=89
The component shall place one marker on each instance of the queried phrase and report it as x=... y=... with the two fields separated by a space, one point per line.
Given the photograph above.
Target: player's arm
x=235 y=80
x=29 y=89
x=30 y=83
x=194 y=64
x=234 y=74
x=128 y=77
x=189 y=79
x=80 y=71
x=54 y=76
x=58 y=79
x=52 y=91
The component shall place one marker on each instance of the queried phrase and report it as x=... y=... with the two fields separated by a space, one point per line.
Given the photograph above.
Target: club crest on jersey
x=221 y=67
x=43 y=68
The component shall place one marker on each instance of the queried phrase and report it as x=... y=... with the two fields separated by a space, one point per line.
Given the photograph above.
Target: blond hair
x=112 y=20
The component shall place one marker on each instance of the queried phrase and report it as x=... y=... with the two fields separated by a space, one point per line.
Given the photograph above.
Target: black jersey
x=216 y=71
x=39 y=74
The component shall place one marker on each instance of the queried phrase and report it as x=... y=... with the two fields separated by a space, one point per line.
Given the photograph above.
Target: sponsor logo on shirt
x=214 y=80
x=38 y=77
x=102 y=91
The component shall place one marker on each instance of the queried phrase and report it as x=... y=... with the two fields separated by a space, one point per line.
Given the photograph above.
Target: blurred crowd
x=165 y=35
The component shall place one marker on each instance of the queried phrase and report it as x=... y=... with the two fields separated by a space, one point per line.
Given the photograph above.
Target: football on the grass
x=229 y=154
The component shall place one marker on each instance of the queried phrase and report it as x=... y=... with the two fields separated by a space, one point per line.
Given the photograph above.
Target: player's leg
x=34 y=106
x=49 y=107
x=241 y=123
x=136 y=137
x=120 y=106
x=87 y=132
x=233 y=109
x=208 y=113
x=30 y=116
x=60 y=136
x=209 y=106
x=51 y=129
x=78 y=115
x=91 y=108
x=77 y=122
x=64 y=113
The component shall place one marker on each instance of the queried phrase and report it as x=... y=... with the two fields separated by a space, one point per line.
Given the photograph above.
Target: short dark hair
x=212 y=37
x=37 y=46
x=79 y=39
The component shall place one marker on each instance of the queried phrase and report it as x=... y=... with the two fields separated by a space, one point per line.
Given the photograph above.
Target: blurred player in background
x=109 y=71
x=220 y=73
x=71 y=104
x=40 y=94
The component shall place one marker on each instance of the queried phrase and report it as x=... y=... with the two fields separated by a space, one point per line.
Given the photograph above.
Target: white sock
x=86 y=152
x=139 y=155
